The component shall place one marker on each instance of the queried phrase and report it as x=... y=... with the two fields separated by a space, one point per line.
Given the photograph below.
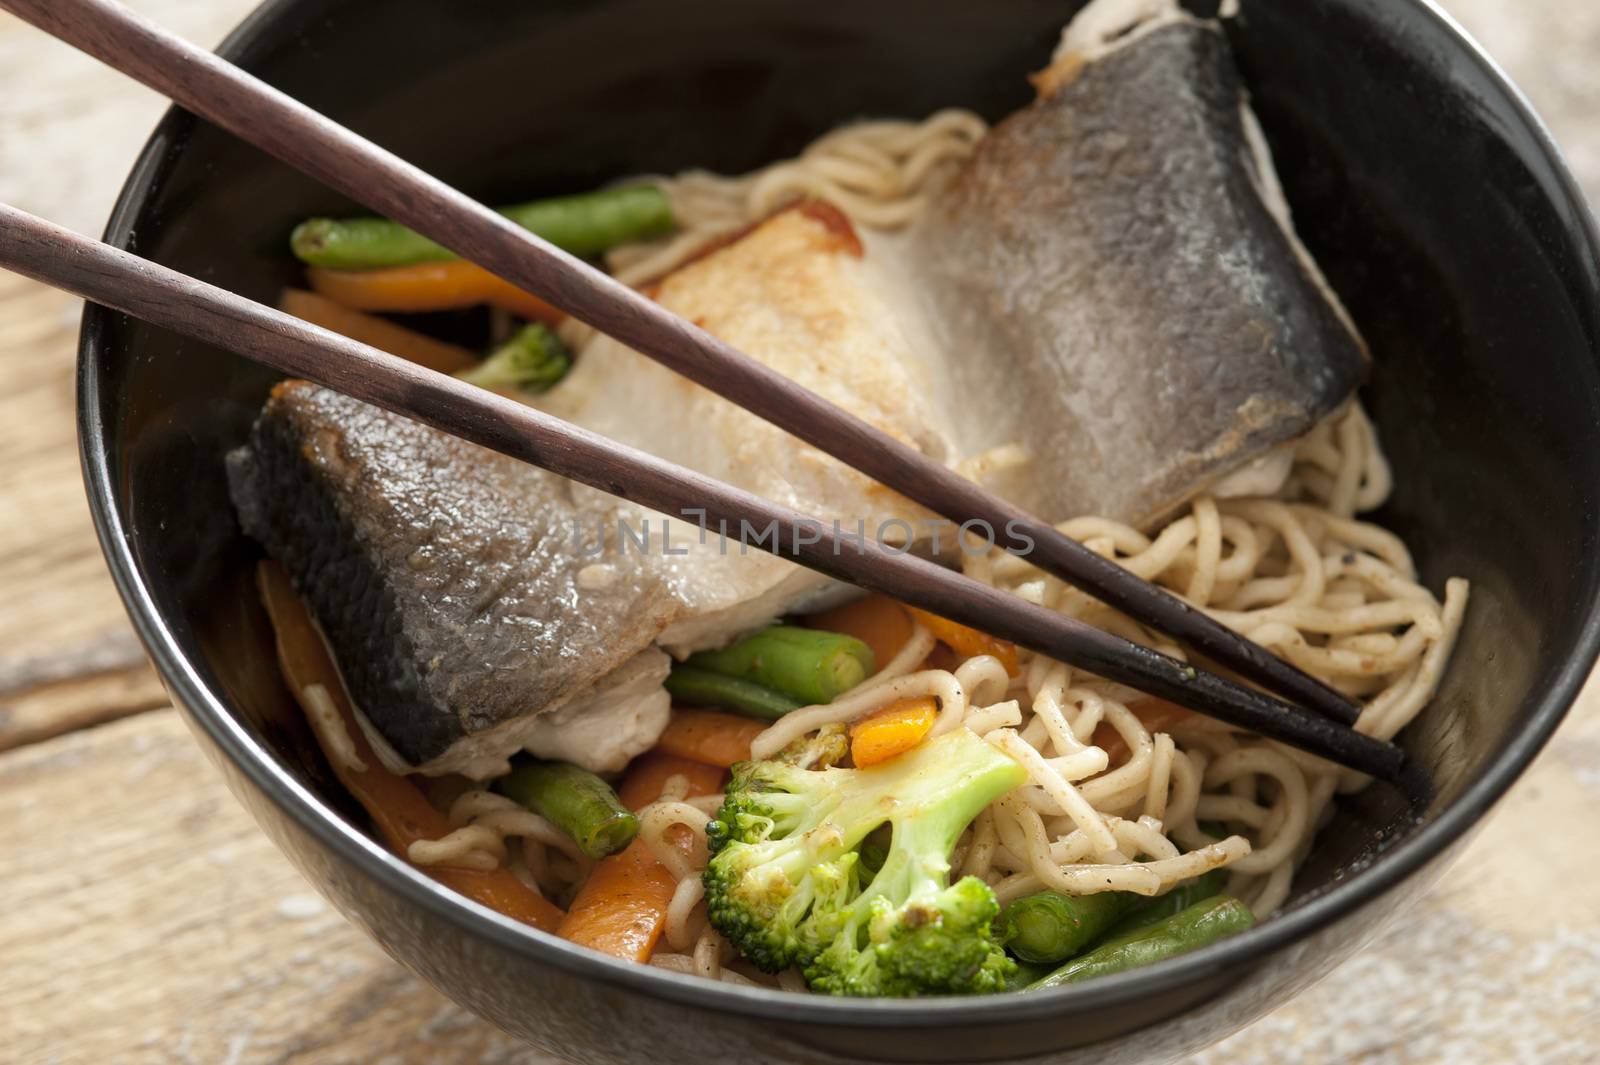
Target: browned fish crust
x=443 y=575
x=1147 y=323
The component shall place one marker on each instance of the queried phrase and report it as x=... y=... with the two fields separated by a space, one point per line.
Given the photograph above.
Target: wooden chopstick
x=312 y=143
x=117 y=279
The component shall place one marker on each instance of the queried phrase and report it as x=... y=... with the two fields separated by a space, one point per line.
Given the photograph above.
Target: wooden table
x=147 y=920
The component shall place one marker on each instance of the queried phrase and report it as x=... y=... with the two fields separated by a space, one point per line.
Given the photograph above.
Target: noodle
x=1297 y=573
x=877 y=173
x=1118 y=785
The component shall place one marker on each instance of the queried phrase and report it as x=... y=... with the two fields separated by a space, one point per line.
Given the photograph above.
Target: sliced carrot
x=709 y=736
x=445 y=286
x=397 y=806
x=1157 y=715
x=877 y=621
x=648 y=774
x=621 y=909
x=381 y=333
x=968 y=642
x=892 y=730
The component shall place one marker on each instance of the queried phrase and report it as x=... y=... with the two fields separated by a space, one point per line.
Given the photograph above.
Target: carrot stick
x=622 y=908
x=892 y=730
x=968 y=642
x=1157 y=715
x=877 y=621
x=379 y=332
x=445 y=286
x=648 y=774
x=398 y=808
x=709 y=736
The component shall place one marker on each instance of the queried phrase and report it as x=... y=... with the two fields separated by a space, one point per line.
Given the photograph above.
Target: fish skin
x=444 y=575
x=1147 y=323
x=441 y=573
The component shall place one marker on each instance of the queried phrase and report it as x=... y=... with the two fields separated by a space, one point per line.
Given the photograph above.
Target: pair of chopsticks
x=216 y=90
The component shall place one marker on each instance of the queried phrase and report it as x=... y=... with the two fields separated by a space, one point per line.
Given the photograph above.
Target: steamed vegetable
x=1048 y=928
x=399 y=811
x=621 y=909
x=380 y=333
x=648 y=774
x=967 y=641
x=709 y=737
x=1147 y=911
x=585 y=224
x=689 y=686
x=575 y=801
x=531 y=361
x=809 y=665
x=1025 y=975
x=445 y=286
x=785 y=883
x=876 y=620
x=1201 y=924
x=890 y=731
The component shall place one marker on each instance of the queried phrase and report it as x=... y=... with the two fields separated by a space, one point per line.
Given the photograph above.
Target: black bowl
x=1435 y=200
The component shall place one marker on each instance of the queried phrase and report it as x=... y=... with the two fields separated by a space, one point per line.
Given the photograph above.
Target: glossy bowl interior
x=1434 y=201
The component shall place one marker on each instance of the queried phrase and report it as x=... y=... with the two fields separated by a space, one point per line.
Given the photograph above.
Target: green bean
x=701 y=687
x=1148 y=911
x=532 y=360
x=808 y=664
x=1025 y=975
x=575 y=801
x=1190 y=929
x=585 y=224
x=1050 y=927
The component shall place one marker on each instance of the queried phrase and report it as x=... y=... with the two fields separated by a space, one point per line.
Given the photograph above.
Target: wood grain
x=148 y=920
x=50 y=560
x=392 y=187
x=50 y=709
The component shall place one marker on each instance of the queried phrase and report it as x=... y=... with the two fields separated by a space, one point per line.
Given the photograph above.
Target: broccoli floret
x=786 y=884
x=532 y=360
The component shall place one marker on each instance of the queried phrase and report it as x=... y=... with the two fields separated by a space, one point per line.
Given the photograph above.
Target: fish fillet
x=1120 y=255
x=479 y=606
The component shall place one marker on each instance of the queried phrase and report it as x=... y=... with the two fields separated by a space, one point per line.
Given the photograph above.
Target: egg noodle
x=1124 y=793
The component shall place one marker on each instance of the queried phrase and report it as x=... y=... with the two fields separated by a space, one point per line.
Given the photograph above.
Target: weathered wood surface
x=147 y=920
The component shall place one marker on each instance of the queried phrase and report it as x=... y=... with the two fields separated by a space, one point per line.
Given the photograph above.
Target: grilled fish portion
x=478 y=605
x=798 y=293
x=1121 y=256
x=444 y=577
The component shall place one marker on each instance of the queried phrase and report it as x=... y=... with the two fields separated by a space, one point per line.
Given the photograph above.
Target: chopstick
x=124 y=282
x=314 y=144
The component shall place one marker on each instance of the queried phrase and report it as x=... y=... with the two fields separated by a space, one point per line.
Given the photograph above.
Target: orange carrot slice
x=398 y=808
x=379 y=332
x=648 y=774
x=445 y=286
x=892 y=730
x=709 y=736
x=621 y=909
x=968 y=642
x=877 y=621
